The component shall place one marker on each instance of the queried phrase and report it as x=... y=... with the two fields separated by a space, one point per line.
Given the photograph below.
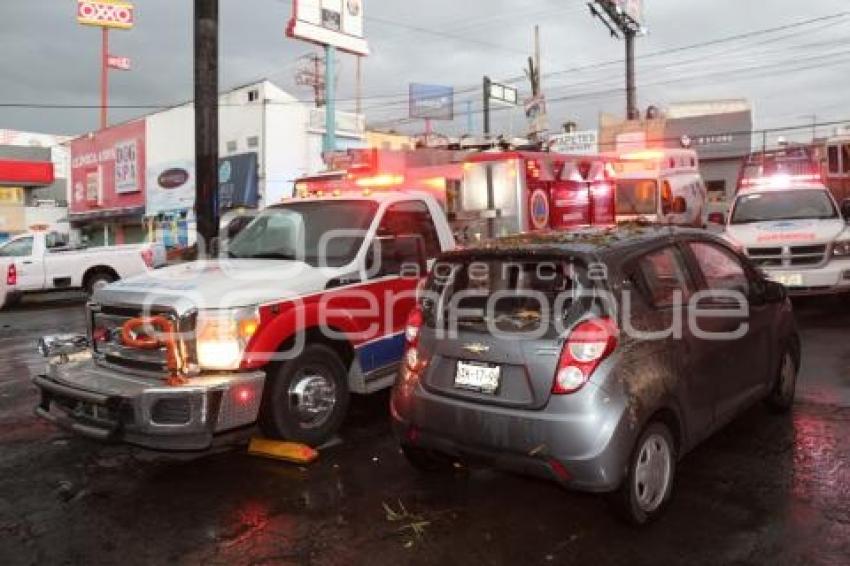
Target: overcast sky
x=788 y=75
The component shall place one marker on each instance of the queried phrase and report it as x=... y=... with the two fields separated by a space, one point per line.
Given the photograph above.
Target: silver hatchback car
x=596 y=358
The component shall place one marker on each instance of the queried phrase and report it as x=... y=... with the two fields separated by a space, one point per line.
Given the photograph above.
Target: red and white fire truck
x=506 y=192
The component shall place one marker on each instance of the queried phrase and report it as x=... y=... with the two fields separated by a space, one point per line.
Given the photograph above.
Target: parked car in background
x=44 y=260
x=595 y=359
x=793 y=229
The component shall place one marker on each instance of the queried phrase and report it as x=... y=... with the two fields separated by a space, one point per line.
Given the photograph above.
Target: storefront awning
x=25 y=173
x=132 y=213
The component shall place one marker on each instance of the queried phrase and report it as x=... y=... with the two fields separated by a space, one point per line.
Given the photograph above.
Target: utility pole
x=104 y=78
x=620 y=20
x=206 y=122
x=535 y=109
x=359 y=81
x=329 y=142
x=487 y=83
x=311 y=73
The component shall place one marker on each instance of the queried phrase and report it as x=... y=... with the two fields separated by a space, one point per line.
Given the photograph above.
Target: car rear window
x=508 y=295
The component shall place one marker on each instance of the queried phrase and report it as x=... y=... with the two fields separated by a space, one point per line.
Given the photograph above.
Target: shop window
x=833 y=160
x=845 y=158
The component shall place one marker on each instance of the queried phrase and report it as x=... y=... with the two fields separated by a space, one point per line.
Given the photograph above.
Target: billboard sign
x=171 y=187
x=106 y=13
x=237 y=181
x=118 y=63
x=338 y=23
x=431 y=102
x=631 y=8
x=108 y=169
x=585 y=142
x=504 y=94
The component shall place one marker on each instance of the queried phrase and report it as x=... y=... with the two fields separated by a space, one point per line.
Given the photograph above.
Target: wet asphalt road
x=765 y=490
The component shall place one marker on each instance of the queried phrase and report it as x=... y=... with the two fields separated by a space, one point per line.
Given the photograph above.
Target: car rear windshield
x=783 y=205
x=504 y=294
x=637 y=197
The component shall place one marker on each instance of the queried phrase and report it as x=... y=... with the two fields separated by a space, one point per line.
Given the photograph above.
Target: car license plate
x=477 y=377
x=788 y=279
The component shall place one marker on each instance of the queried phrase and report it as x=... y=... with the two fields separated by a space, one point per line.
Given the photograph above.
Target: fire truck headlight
x=222 y=336
x=841 y=248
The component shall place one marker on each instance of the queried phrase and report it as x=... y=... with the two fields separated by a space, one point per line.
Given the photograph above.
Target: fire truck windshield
x=320 y=233
x=637 y=196
x=783 y=205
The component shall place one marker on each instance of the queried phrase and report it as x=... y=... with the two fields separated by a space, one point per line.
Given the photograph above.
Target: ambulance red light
x=380 y=181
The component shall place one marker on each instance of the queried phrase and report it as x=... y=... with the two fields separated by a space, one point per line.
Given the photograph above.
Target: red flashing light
x=12 y=275
x=244 y=395
x=590 y=342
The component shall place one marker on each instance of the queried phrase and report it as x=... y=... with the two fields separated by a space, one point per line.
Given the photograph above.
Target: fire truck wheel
x=307 y=398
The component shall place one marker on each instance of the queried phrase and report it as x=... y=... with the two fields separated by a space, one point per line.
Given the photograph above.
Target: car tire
x=306 y=398
x=427 y=461
x=781 y=397
x=98 y=280
x=648 y=487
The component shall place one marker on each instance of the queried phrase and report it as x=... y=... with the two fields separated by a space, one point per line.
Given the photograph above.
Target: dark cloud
x=49 y=58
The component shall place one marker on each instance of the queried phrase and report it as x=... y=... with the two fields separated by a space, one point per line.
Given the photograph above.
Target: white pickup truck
x=308 y=305
x=796 y=232
x=42 y=260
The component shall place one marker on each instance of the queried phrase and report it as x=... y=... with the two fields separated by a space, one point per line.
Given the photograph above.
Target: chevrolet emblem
x=476 y=348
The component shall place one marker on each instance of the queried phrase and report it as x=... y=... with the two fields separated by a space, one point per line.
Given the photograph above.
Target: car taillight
x=412 y=361
x=588 y=344
x=147 y=257
x=414 y=324
x=12 y=275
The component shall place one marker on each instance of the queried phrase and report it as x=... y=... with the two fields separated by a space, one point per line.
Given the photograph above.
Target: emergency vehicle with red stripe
x=306 y=305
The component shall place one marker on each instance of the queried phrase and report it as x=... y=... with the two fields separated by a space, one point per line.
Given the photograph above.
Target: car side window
x=411 y=218
x=17 y=248
x=721 y=269
x=665 y=277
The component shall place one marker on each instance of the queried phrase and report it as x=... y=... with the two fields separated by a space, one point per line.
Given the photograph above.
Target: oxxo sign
x=105 y=13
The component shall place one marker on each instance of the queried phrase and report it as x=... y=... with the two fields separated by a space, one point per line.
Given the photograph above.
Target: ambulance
x=793 y=228
x=660 y=185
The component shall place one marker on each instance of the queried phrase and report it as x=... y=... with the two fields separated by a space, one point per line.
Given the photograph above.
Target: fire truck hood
x=786 y=232
x=218 y=284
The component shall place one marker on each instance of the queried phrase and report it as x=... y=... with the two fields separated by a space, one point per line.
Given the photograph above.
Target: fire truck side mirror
x=845 y=209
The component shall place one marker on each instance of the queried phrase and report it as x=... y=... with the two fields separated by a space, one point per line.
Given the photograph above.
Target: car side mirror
x=680 y=205
x=845 y=209
x=717 y=218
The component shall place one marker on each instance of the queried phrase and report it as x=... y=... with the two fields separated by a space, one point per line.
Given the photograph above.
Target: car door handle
x=27 y=262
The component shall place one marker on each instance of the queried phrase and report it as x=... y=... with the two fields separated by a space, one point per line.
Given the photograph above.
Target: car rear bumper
x=108 y=404
x=588 y=452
